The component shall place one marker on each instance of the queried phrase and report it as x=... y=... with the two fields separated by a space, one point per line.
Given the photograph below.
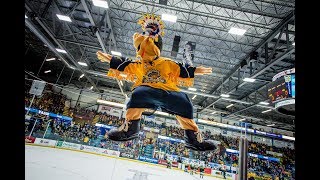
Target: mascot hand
x=103 y=57
x=202 y=70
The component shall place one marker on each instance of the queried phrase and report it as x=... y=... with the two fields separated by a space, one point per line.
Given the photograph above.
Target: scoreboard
x=282 y=88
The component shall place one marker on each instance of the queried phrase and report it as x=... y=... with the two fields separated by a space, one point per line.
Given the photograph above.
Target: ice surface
x=43 y=163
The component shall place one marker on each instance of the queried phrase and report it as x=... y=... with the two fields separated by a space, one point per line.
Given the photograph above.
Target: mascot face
x=148 y=45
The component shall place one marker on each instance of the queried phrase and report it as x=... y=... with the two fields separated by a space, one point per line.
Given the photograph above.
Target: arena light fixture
x=237 y=31
x=294 y=43
x=269 y=125
x=225 y=95
x=194 y=96
x=249 y=80
x=64 y=18
x=51 y=59
x=168 y=17
x=81 y=76
x=116 y=53
x=229 y=106
x=25 y=16
x=192 y=89
x=47 y=71
x=266 y=111
x=82 y=63
x=214 y=112
x=61 y=50
x=264 y=103
x=162 y=113
x=100 y=101
x=100 y=3
x=242 y=119
x=91 y=87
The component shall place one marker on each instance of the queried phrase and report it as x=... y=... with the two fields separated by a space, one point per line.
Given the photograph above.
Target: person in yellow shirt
x=156 y=80
x=86 y=139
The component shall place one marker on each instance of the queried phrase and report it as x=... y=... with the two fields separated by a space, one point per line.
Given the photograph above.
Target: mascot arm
x=122 y=68
x=184 y=74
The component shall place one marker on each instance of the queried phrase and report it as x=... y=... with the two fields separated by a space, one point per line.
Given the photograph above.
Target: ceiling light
x=294 y=43
x=229 y=105
x=61 y=50
x=64 y=18
x=168 y=17
x=83 y=63
x=100 y=101
x=214 y=112
x=51 y=59
x=192 y=89
x=249 y=80
x=242 y=119
x=116 y=53
x=100 y=3
x=194 y=96
x=237 y=31
x=25 y=16
x=225 y=95
x=266 y=111
x=271 y=125
x=91 y=87
x=162 y=113
x=81 y=76
x=264 y=103
x=71 y=67
x=47 y=71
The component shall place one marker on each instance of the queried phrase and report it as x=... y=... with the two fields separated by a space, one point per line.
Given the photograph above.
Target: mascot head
x=148 y=45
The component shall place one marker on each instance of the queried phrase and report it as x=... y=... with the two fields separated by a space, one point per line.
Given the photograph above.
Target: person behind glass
x=223 y=171
x=201 y=171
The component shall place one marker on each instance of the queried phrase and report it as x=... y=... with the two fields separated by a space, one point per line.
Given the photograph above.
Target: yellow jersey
x=161 y=73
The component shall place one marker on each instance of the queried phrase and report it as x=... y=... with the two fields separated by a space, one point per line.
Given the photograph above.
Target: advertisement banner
x=127 y=155
x=163 y=162
x=207 y=170
x=68 y=145
x=174 y=164
x=89 y=149
x=146 y=159
x=29 y=139
x=109 y=152
x=45 y=142
x=38 y=111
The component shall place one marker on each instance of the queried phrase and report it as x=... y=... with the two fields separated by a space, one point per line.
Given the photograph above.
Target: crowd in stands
x=88 y=133
x=51 y=102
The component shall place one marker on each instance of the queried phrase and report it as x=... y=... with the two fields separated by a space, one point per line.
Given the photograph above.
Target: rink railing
x=112 y=153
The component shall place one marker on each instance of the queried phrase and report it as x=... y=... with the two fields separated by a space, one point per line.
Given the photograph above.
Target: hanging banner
x=37 y=87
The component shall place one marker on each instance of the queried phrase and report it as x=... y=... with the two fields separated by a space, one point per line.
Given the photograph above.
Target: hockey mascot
x=156 y=80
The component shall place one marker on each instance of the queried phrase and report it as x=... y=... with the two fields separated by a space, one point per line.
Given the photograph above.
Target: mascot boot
x=127 y=131
x=194 y=141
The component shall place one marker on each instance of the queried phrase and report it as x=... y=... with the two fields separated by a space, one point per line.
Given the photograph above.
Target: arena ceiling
x=270 y=33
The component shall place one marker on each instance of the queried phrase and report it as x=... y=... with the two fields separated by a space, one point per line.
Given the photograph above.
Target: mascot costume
x=156 y=80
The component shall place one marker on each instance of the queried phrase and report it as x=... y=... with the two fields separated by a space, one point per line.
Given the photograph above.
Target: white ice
x=43 y=163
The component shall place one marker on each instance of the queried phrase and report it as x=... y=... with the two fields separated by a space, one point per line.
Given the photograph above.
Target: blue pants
x=173 y=102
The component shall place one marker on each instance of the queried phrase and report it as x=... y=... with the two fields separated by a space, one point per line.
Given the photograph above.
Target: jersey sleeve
x=122 y=68
x=183 y=74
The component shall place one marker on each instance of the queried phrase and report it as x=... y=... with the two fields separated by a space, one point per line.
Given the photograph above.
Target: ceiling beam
x=267 y=39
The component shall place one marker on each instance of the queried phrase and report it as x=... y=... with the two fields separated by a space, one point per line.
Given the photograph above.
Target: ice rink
x=58 y=164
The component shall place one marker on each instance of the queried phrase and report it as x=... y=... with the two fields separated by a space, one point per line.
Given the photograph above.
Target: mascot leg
x=192 y=136
x=130 y=128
